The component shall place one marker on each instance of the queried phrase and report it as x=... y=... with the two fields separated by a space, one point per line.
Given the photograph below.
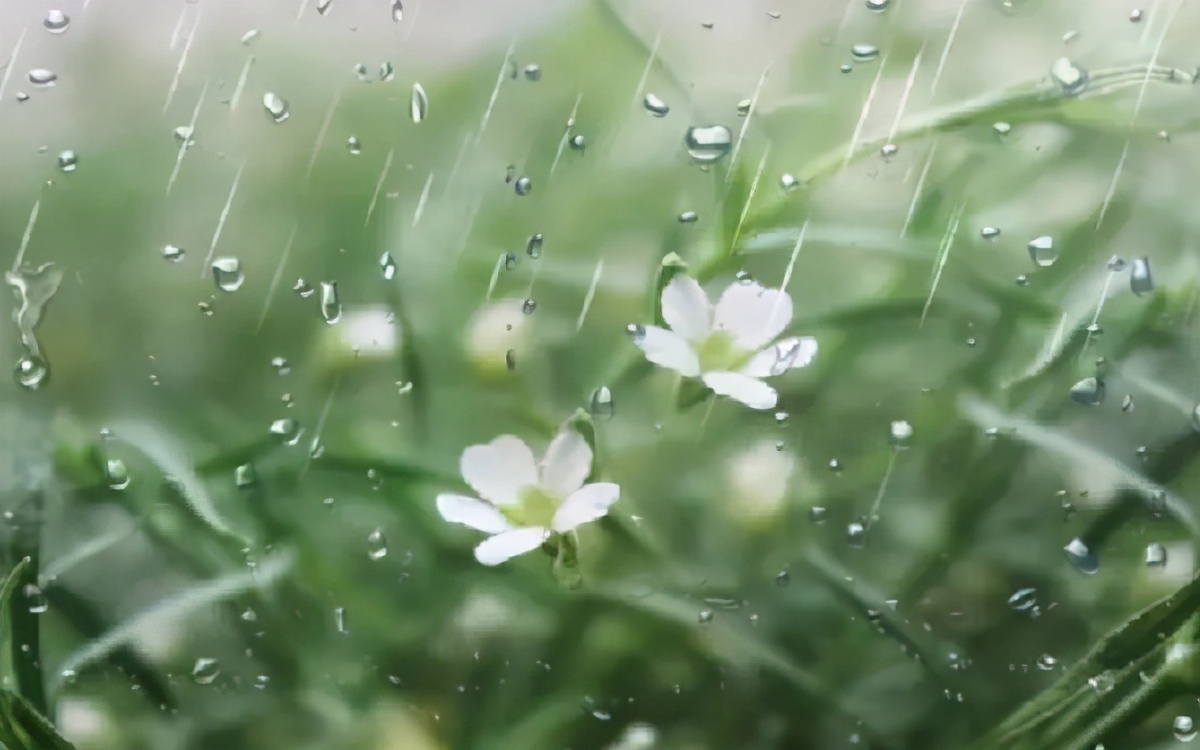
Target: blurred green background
x=322 y=603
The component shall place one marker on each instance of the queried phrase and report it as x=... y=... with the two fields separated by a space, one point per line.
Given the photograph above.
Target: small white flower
x=525 y=502
x=731 y=345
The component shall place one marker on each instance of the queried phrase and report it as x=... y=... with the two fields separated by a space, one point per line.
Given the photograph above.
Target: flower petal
x=754 y=314
x=587 y=504
x=686 y=308
x=499 y=469
x=495 y=550
x=567 y=463
x=750 y=391
x=786 y=354
x=668 y=349
x=471 y=512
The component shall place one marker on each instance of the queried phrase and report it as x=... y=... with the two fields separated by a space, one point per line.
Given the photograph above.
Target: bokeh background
x=202 y=579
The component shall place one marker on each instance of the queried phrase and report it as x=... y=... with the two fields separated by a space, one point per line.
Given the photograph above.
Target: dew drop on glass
x=387 y=264
x=1090 y=392
x=655 y=106
x=743 y=107
x=36 y=599
x=339 y=620
x=577 y=142
x=1084 y=559
x=1001 y=128
x=1042 y=250
x=205 y=671
x=244 y=476
x=56 y=22
x=705 y=616
x=251 y=36
x=878 y=5
x=303 y=288
x=387 y=72
x=361 y=72
x=523 y=186
x=276 y=106
x=783 y=578
x=1023 y=600
x=817 y=514
x=331 y=304
x=856 y=534
x=323 y=6
x=1102 y=683
x=528 y=306
x=533 y=72
x=418 y=105
x=888 y=150
x=864 y=52
x=42 y=77
x=510 y=261
x=376 y=545
x=835 y=466
x=989 y=233
x=707 y=144
x=1156 y=555
x=281 y=366
x=601 y=403
x=116 y=474
x=287 y=431
x=900 y=434
x=533 y=246
x=788 y=182
x=1184 y=728
x=1116 y=264
x=510 y=360
x=636 y=332
x=1140 y=281
x=1136 y=15
x=227 y=273
x=397 y=11
x=1070 y=77
x=353 y=145
x=173 y=253
x=688 y=217
x=67 y=161
x=184 y=135
x=1046 y=662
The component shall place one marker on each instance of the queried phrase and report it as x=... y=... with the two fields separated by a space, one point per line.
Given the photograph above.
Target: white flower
x=525 y=502
x=728 y=345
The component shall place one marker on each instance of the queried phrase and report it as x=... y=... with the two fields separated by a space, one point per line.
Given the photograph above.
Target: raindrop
x=743 y=107
x=418 y=105
x=705 y=616
x=397 y=11
x=788 y=354
x=42 y=77
x=989 y=233
x=1102 y=683
x=1136 y=15
x=276 y=106
x=856 y=534
x=281 y=366
x=303 y=288
x=35 y=597
x=185 y=135
x=251 y=36
x=227 y=273
x=523 y=185
x=22 y=96
x=331 y=304
x=287 y=431
x=636 y=332
x=510 y=360
x=817 y=514
x=888 y=150
x=707 y=144
x=1116 y=264
x=173 y=253
x=1070 y=77
x=1184 y=728
x=1046 y=662
x=864 y=52
x=354 y=145
x=1041 y=249
x=1023 y=600
x=528 y=306
x=688 y=217
x=787 y=181
x=1084 y=560
x=1001 y=128
x=244 y=476
x=783 y=578
x=67 y=161
x=1022 y=280
x=360 y=70
x=655 y=106
x=835 y=466
x=577 y=142
x=533 y=72
x=1139 y=277
x=56 y=22
x=205 y=671
x=533 y=246
x=376 y=545
x=388 y=265
x=1089 y=392
x=205 y=308
x=1127 y=406
x=847 y=68
x=387 y=72
x=1156 y=555
x=339 y=620
x=878 y=5
x=116 y=473
x=900 y=433
x=781 y=418
x=510 y=261
x=323 y=6
x=601 y=403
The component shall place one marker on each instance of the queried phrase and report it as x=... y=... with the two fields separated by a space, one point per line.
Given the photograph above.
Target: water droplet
x=783 y=578
x=878 y=5
x=1102 y=683
x=533 y=72
x=1084 y=560
x=790 y=353
x=856 y=534
x=1089 y=392
x=42 y=77
x=888 y=150
x=323 y=6
x=601 y=403
x=523 y=185
x=303 y=288
x=781 y=418
x=397 y=11
x=510 y=360
x=22 y=96
x=1046 y=662
x=705 y=616
x=205 y=671
x=989 y=233
x=1156 y=555
x=1023 y=600
x=1070 y=77
x=287 y=431
x=184 y=135
x=688 y=217
x=35 y=597
x=116 y=474
x=787 y=181
x=1022 y=280
x=1139 y=277
x=1184 y=728
x=354 y=145
x=388 y=265
x=251 y=36
x=510 y=261
x=227 y=273
x=743 y=107
x=331 y=303
x=67 y=161
x=577 y=142
x=173 y=253
x=376 y=545
x=900 y=433
x=361 y=72
x=655 y=106
x=1041 y=249
x=528 y=306
x=846 y=68
x=281 y=366
x=387 y=72
x=244 y=476
x=707 y=144
x=56 y=22
x=636 y=332
x=276 y=106
x=339 y=620
x=533 y=246
x=835 y=466
x=864 y=52
x=1001 y=128
x=418 y=106
x=1136 y=15
x=31 y=372
x=817 y=514
x=510 y=173
x=1116 y=264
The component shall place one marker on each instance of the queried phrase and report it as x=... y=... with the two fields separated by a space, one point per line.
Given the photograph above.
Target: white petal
x=495 y=550
x=587 y=504
x=686 y=308
x=750 y=391
x=799 y=349
x=669 y=349
x=567 y=463
x=471 y=512
x=498 y=470
x=753 y=314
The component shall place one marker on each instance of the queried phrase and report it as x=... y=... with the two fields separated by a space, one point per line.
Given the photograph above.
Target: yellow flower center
x=718 y=353
x=535 y=506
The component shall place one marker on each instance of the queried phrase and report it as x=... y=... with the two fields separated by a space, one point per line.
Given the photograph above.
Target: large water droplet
x=864 y=52
x=42 y=77
x=418 y=106
x=376 y=545
x=1089 y=392
x=1084 y=560
x=276 y=106
x=706 y=144
x=56 y=22
x=387 y=264
x=116 y=474
x=227 y=273
x=331 y=304
x=1156 y=555
x=68 y=160
x=655 y=106
x=1184 y=728
x=601 y=403
x=205 y=671
x=1042 y=250
x=1139 y=277
x=31 y=372
x=533 y=246
x=287 y=431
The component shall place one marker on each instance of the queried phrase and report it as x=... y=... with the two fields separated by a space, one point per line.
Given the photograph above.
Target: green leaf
x=7 y=589
x=23 y=728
